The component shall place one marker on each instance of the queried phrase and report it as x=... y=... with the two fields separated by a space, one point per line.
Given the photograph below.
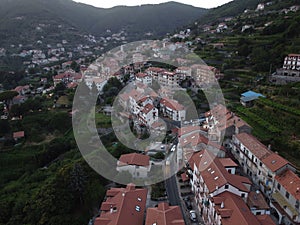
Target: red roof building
x=134 y=159
x=18 y=135
x=262 y=164
x=123 y=206
x=215 y=177
x=232 y=210
x=164 y=215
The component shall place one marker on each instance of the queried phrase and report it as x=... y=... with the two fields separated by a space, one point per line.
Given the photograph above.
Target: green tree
x=4 y=127
x=78 y=180
x=8 y=95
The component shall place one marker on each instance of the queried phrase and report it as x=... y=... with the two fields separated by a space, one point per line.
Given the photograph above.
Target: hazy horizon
x=113 y=3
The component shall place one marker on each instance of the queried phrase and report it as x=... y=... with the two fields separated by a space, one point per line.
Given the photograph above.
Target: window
x=278 y=186
x=287 y=195
x=260 y=164
x=243 y=195
x=226 y=186
x=258 y=213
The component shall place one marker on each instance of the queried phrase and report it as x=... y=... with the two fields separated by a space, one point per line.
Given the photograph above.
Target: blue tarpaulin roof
x=250 y=96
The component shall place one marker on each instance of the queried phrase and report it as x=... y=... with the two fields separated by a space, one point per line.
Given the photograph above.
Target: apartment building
x=210 y=178
x=229 y=209
x=164 y=214
x=144 y=78
x=123 y=206
x=258 y=161
x=220 y=122
x=290 y=71
x=137 y=165
x=286 y=197
x=172 y=109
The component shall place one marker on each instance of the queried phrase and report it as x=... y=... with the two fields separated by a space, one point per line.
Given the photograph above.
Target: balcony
x=284 y=205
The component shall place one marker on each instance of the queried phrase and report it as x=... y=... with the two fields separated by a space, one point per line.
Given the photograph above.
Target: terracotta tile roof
x=254 y=145
x=274 y=162
x=291 y=182
x=172 y=104
x=214 y=173
x=77 y=76
x=294 y=55
x=143 y=99
x=233 y=210
x=257 y=200
x=134 y=159
x=124 y=96
x=225 y=117
x=155 y=69
x=19 y=88
x=169 y=73
x=164 y=215
x=227 y=162
x=60 y=76
x=265 y=220
x=135 y=94
x=187 y=130
x=199 y=141
x=19 y=134
x=141 y=75
x=19 y=97
x=126 y=206
x=157 y=125
x=183 y=68
x=148 y=108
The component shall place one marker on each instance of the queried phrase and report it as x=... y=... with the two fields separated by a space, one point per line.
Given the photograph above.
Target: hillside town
x=229 y=183
x=232 y=161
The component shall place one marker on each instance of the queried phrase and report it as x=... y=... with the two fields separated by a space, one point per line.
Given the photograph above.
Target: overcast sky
x=111 y=3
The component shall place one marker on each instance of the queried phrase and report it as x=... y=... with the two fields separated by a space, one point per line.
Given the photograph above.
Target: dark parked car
x=188 y=203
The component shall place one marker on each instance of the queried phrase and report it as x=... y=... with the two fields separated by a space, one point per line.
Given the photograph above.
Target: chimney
x=270 y=147
x=111 y=209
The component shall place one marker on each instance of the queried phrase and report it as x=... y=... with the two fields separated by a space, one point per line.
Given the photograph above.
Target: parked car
x=187 y=202
x=193 y=215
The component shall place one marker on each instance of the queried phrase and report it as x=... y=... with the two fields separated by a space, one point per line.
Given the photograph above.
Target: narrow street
x=173 y=195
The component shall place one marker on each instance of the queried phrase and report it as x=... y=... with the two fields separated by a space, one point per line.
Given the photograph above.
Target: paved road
x=172 y=191
x=173 y=194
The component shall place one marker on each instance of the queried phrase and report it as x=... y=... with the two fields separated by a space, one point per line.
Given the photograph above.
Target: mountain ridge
x=25 y=15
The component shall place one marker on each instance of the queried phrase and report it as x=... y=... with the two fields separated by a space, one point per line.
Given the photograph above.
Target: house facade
x=172 y=109
x=144 y=78
x=137 y=165
x=258 y=161
x=286 y=197
x=210 y=178
x=290 y=71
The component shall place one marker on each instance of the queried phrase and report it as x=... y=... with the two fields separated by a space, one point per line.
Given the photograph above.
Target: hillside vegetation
x=255 y=45
x=20 y=19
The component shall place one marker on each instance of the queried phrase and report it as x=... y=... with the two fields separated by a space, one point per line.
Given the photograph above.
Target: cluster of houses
x=290 y=71
x=125 y=206
x=69 y=78
x=146 y=106
x=224 y=197
x=241 y=184
x=261 y=8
